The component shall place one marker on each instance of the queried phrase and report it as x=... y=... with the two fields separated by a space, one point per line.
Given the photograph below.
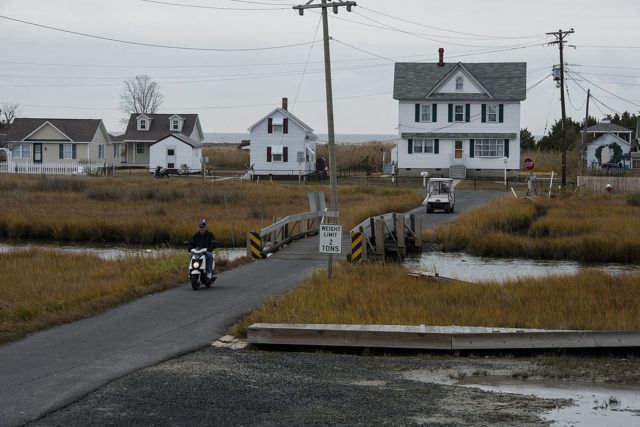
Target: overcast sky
x=57 y=74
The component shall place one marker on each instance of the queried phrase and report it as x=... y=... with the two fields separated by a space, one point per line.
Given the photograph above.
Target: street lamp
x=505 y=159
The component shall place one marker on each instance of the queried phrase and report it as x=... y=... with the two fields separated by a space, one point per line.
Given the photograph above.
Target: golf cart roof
x=441 y=179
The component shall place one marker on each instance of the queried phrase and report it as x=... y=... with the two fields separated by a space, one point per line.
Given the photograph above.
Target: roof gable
x=499 y=80
x=180 y=137
x=76 y=130
x=286 y=114
x=447 y=84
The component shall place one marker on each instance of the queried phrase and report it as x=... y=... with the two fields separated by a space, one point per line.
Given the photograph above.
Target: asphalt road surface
x=48 y=370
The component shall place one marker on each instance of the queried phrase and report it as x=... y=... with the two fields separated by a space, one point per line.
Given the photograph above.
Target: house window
x=277 y=128
x=421 y=146
x=67 y=151
x=425 y=114
x=171 y=152
x=492 y=113
x=276 y=157
x=489 y=148
x=116 y=151
x=101 y=151
x=175 y=125
x=459 y=83
x=143 y=124
x=458 y=113
x=139 y=147
x=21 y=151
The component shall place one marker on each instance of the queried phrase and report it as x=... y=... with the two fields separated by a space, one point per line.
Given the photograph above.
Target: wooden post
x=379 y=236
x=400 y=233
x=417 y=230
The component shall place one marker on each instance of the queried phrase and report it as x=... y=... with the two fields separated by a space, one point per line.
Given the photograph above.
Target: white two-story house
x=282 y=146
x=459 y=120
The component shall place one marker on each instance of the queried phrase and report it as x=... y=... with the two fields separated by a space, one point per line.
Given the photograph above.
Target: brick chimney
x=284 y=103
x=441 y=57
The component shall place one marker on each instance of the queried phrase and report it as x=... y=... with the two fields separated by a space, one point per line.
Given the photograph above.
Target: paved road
x=51 y=369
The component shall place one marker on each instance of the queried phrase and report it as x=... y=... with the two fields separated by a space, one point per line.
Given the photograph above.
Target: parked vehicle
x=198 y=269
x=440 y=195
x=184 y=170
x=161 y=172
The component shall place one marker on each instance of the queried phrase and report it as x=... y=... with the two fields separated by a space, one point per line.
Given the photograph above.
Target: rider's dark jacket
x=203 y=241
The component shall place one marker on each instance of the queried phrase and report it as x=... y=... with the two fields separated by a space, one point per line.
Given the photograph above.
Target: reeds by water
x=576 y=227
x=383 y=294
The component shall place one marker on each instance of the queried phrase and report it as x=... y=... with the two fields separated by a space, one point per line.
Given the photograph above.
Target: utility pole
x=333 y=177
x=560 y=36
x=584 y=133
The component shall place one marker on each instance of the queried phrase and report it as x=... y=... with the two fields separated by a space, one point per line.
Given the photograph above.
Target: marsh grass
x=146 y=211
x=383 y=294
x=67 y=287
x=547 y=161
x=577 y=227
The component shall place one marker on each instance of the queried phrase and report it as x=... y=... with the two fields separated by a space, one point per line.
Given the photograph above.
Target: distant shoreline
x=342 y=138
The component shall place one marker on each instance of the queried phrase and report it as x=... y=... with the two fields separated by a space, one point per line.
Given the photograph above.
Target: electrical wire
x=315 y=35
x=212 y=7
x=569 y=74
x=200 y=49
x=603 y=89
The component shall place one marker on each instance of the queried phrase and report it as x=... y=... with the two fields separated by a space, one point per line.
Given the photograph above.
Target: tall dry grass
x=226 y=157
x=148 y=211
x=578 y=227
x=547 y=161
x=383 y=294
x=40 y=289
x=358 y=156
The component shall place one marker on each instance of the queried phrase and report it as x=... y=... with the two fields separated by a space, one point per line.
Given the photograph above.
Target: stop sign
x=528 y=164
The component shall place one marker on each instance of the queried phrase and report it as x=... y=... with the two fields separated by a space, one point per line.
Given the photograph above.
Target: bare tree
x=8 y=112
x=141 y=94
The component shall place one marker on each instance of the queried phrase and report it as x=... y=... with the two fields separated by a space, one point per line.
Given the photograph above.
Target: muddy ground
x=224 y=386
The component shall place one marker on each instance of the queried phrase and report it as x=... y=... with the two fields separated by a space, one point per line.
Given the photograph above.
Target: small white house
x=610 y=143
x=459 y=120
x=176 y=151
x=282 y=146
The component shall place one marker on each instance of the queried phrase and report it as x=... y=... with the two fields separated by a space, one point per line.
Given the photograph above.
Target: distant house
x=459 y=119
x=143 y=130
x=608 y=144
x=61 y=141
x=282 y=146
x=175 y=151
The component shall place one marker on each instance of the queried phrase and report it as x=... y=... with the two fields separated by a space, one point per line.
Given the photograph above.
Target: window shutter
x=285 y=154
x=269 y=153
x=450 y=112
x=434 y=113
x=269 y=125
x=506 y=148
x=410 y=145
x=436 y=146
x=472 y=146
x=484 y=113
x=285 y=126
x=501 y=113
x=467 y=115
x=73 y=151
x=417 y=111
x=61 y=151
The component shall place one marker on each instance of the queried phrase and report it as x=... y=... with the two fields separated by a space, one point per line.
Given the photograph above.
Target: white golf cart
x=440 y=195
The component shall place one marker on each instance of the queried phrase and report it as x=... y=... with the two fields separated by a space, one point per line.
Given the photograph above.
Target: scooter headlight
x=196 y=264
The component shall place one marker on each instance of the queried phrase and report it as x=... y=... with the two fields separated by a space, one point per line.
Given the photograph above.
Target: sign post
x=330 y=241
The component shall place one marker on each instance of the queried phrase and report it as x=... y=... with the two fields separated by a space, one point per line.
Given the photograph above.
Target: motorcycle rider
x=204 y=239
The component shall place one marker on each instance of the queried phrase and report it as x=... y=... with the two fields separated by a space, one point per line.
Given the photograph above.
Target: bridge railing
x=392 y=234
x=285 y=230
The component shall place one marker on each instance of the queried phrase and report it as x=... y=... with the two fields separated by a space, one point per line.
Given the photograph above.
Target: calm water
x=113 y=252
x=341 y=138
x=473 y=269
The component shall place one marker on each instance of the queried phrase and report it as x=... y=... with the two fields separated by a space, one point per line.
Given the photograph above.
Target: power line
x=295 y=99
x=592 y=95
x=362 y=50
x=213 y=7
x=604 y=66
x=609 y=92
x=77 y=33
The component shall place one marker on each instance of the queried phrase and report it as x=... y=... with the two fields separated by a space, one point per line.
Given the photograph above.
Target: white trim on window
x=67 y=151
x=100 y=151
x=21 y=151
x=458 y=112
x=489 y=148
x=116 y=150
x=423 y=146
x=139 y=147
x=492 y=113
x=425 y=112
x=459 y=83
x=277 y=128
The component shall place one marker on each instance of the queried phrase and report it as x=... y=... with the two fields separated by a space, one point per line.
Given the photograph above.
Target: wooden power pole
x=560 y=36
x=333 y=177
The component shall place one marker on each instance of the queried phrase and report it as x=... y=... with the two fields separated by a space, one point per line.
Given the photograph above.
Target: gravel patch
x=222 y=386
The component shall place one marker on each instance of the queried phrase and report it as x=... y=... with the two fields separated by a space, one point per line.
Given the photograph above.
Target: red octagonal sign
x=528 y=164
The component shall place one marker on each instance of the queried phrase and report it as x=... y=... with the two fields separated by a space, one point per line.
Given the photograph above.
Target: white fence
x=56 y=168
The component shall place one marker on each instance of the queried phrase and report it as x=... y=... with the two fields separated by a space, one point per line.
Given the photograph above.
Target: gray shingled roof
x=606 y=128
x=462 y=135
x=503 y=80
x=79 y=130
x=285 y=113
x=159 y=127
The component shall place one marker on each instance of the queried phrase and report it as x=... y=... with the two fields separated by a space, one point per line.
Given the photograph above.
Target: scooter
x=198 y=269
x=161 y=172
